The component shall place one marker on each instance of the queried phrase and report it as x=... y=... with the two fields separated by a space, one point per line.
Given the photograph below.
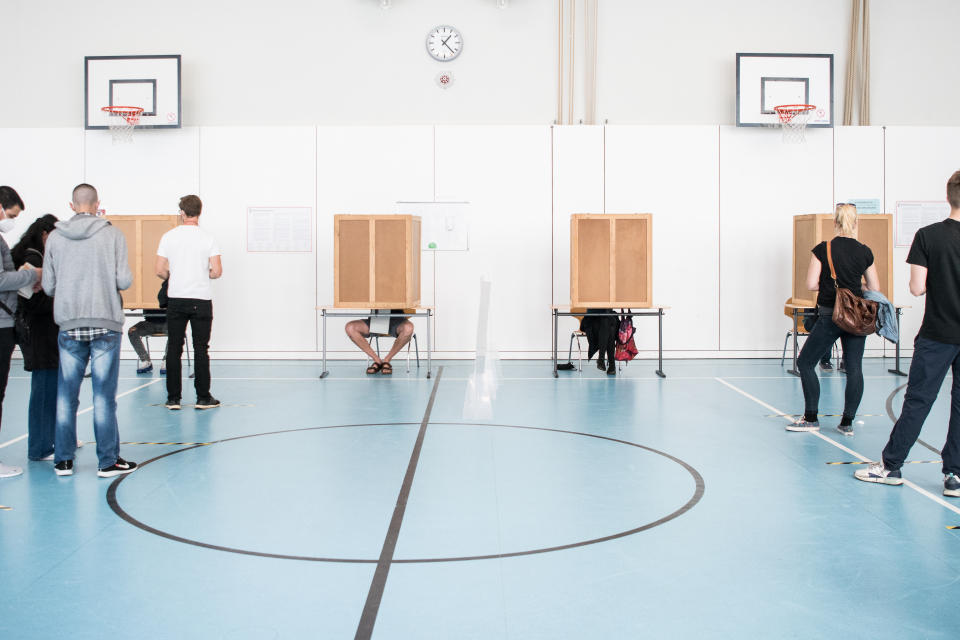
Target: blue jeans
x=104 y=356
x=928 y=368
x=819 y=342
x=42 y=415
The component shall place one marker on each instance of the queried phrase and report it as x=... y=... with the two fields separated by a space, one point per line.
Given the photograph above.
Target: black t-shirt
x=937 y=247
x=851 y=259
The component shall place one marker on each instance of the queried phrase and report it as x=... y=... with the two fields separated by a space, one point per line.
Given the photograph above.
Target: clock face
x=444 y=43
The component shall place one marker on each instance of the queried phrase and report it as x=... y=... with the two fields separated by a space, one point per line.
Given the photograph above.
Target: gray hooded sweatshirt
x=85 y=269
x=10 y=281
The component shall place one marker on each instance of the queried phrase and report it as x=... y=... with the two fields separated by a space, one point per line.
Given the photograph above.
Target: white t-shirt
x=188 y=249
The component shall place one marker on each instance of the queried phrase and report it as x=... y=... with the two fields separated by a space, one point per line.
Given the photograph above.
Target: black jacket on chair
x=601 y=333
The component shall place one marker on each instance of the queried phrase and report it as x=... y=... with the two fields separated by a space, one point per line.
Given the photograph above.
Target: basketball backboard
x=150 y=82
x=766 y=80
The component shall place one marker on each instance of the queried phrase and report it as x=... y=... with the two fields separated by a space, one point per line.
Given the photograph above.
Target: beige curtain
x=857 y=86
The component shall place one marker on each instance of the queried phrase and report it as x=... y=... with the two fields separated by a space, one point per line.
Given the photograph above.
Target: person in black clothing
x=935 y=271
x=41 y=354
x=853 y=263
x=602 y=338
x=154 y=323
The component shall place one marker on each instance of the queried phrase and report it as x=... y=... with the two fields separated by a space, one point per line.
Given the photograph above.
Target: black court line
x=890 y=398
x=694 y=499
x=369 y=616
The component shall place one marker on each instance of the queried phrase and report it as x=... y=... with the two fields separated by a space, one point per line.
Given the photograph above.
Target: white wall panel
x=367 y=170
x=577 y=188
x=504 y=172
x=265 y=301
x=149 y=175
x=763 y=184
x=673 y=173
x=920 y=160
x=858 y=164
x=43 y=165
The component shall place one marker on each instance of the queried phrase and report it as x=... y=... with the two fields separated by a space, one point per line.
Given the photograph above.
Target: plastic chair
x=576 y=335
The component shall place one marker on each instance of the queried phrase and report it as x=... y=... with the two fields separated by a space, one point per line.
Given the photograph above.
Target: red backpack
x=626 y=348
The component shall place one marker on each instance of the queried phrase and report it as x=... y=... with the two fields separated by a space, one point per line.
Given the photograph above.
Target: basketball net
x=122 y=122
x=793 y=121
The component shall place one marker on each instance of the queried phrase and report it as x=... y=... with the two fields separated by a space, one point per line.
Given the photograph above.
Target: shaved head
x=84 y=196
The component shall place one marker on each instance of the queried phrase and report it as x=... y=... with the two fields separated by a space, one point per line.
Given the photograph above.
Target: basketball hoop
x=122 y=121
x=793 y=120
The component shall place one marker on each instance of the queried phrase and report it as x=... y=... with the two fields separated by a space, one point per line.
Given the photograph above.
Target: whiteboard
x=444 y=226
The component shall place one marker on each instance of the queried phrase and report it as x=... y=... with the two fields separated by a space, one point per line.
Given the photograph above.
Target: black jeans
x=146 y=328
x=819 y=342
x=199 y=313
x=7 y=341
x=931 y=360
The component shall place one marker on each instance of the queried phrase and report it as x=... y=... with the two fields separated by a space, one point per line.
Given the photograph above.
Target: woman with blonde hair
x=853 y=263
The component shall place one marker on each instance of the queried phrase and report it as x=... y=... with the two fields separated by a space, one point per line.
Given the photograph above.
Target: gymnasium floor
x=587 y=507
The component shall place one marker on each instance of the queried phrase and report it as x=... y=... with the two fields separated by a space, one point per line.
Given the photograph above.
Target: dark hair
x=10 y=198
x=953 y=190
x=32 y=238
x=191 y=206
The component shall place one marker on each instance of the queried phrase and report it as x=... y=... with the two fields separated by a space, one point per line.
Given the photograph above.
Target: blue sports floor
x=586 y=507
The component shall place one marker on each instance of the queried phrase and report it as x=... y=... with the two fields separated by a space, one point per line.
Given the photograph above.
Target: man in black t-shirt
x=935 y=271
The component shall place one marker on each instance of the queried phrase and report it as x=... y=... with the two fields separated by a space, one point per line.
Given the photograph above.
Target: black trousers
x=199 y=313
x=7 y=341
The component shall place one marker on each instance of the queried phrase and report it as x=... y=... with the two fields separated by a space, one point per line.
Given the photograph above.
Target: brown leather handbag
x=852 y=313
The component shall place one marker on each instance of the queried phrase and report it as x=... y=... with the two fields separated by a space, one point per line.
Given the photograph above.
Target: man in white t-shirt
x=189 y=257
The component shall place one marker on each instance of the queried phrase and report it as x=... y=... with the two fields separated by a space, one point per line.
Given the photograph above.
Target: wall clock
x=444 y=43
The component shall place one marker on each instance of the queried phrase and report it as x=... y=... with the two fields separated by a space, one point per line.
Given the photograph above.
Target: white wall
x=249 y=62
x=722 y=200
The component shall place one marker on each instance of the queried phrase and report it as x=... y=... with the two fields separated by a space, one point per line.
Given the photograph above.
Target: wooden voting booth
x=376 y=261
x=611 y=260
x=143 y=235
x=873 y=229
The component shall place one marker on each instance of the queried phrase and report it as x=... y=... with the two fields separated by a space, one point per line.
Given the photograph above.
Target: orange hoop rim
x=122 y=111
x=788 y=112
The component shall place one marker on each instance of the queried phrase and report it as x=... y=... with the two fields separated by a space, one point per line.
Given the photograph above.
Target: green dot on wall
x=432 y=245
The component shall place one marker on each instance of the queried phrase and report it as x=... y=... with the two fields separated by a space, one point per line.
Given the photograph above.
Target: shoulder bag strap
x=833 y=274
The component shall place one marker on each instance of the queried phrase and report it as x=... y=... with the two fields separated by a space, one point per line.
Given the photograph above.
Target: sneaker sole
x=205 y=406
x=65 y=472
x=893 y=482
x=173 y=407
x=802 y=429
x=952 y=493
x=846 y=433
x=118 y=472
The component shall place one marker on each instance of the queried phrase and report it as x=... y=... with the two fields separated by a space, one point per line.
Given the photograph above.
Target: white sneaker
x=876 y=472
x=6 y=471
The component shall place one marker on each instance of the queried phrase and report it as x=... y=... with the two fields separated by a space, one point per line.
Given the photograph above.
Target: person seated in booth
x=154 y=323
x=399 y=327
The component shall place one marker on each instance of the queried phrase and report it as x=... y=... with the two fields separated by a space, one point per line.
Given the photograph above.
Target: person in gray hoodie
x=10 y=281
x=85 y=269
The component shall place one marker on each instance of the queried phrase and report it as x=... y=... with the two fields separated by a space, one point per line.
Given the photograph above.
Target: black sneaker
x=825 y=365
x=172 y=403
x=951 y=486
x=207 y=403
x=119 y=467
x=63 y=468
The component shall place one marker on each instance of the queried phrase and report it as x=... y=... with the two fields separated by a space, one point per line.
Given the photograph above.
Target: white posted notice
x=914 y=214
x=280 y=229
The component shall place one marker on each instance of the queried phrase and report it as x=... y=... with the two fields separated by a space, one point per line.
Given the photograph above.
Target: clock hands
x=444 y=42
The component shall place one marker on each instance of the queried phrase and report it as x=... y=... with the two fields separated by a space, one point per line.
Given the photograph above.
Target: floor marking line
x=197 y=444
x=906 y=482
x=904 y=462
x=82 y=411
x=372 y=606
x=893 y=418
x=3 y=508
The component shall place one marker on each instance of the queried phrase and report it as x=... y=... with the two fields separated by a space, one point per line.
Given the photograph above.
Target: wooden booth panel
x=143 y=236
x=376 y=261
x=809 y=230
x=611 y=258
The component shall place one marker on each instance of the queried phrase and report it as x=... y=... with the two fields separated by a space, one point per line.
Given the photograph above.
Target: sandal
x=374 y=368
x=386 y=368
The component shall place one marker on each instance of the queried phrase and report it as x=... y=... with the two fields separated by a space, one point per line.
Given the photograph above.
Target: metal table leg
x=556 y=329
x=429 y=345
x=660 y=344
x=324 y=373
x=793 y=370
x=896 y=370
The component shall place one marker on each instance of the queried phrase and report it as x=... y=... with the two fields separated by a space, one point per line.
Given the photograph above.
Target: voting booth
x=611 y=260
x=376 y=261
x=809 y=230
x=143 y=235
